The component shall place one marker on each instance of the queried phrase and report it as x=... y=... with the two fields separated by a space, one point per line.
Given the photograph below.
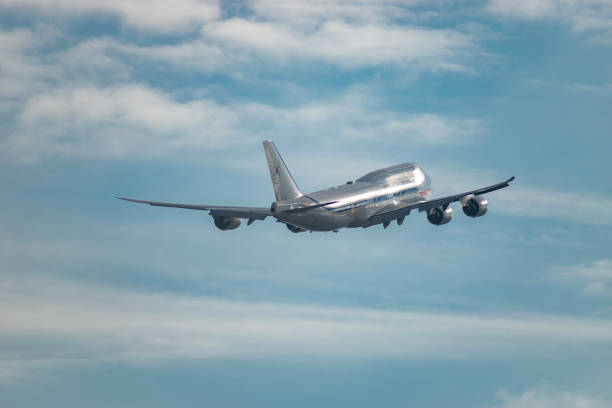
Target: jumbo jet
x=378 y=197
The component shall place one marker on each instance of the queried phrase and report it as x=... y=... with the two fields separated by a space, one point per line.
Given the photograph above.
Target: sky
x=105 y=303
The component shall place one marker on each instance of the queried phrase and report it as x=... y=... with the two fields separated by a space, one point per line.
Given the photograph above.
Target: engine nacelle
x=439 y=216
x=474 y=206
x=226 y=223
x=295 y=229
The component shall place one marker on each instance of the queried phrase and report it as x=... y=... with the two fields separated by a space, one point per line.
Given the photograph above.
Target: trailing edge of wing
x=252 y=213
x=438 y=202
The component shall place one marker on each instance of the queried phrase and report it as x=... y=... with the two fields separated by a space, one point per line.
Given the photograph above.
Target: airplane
x=378 y=197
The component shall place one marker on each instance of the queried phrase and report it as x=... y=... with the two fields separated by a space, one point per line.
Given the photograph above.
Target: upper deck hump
x=401 y=174
x=381 y=176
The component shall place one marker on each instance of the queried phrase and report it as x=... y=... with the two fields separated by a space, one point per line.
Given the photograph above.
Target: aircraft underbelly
x=321 y=220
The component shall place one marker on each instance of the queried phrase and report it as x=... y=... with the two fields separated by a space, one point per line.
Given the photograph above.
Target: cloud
x=131 y=120
x=149 y=16
x=60 y=103
x=596 y=276
x=277 y=33
x=541 y=398
x=88 y=322
x=601 y=89
x=592 y=89
x=348 y=45
x=300 y=12
x=115 y=121
x=541 y=203
x=21 y=68
x=592 y=18
x=522 y=199
x=109 y=55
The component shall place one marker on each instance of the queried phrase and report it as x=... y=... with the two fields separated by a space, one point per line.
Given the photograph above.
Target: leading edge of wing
x=443 y=201
x=255 y=213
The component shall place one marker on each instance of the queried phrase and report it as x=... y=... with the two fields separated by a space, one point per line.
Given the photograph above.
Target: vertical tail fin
x=282 y=181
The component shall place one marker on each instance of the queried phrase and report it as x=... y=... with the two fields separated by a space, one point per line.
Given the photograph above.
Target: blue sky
x=108 y=304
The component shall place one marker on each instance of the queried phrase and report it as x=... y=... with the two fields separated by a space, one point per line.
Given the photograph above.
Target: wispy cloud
x=595 y=277
x=523 y=198
x=592 y=89
x=197 y=55
x=348 y=45
x=112 y=324
x=58 y=101
x=22 y=68
x=348 y=35
x=593 y=18
x=547 y=398
x=138 y=120
x=300 y=12
x=115 y=121
x=149 y=16
x=545 y=203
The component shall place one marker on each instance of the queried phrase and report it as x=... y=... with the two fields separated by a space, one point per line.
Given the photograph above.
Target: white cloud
x=521 y=198
x=109 y=55
x=146 y=15
x=595 y=276
x=277 y=31
x=542 y=398
x=524 y=8
x=535 y=202
x=138 y=120
x=592 y=18
x=348 y=45
x=20 y=68
x=592 y=89
x=230 y=46
x=595 y=89
x=302 y=12
x=60 y=104
x=355 y=116
x=102 y=323
x=115 y=121
x=599 y=269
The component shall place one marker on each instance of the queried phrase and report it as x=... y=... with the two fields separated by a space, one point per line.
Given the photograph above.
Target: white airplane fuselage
x=352 y=204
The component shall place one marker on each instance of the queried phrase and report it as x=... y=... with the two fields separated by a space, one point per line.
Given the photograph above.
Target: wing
x=251 y=213
x=425 y=205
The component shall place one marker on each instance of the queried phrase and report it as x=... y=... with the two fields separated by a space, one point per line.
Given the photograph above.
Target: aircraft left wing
x=425 y=205
x=250 y=213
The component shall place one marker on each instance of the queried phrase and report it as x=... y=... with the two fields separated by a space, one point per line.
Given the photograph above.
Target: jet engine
x=439 y=215
x=474 y=206
x=295 y=229
x=226 y=223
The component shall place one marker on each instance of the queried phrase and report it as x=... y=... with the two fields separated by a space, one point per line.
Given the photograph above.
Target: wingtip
x=511 y=179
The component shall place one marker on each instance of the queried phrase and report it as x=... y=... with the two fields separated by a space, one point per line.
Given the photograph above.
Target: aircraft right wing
x=250 y=213
x=387 y=216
